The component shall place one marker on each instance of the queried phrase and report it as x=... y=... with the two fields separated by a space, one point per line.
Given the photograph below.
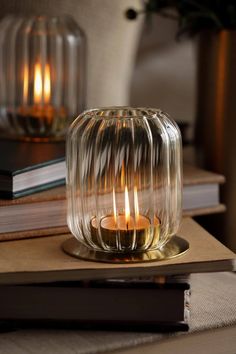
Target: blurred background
x=142 y=63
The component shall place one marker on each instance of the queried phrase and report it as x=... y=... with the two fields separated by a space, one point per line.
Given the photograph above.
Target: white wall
x=164 y=75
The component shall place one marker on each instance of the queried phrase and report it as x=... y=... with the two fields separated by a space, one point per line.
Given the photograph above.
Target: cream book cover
x=43 y=260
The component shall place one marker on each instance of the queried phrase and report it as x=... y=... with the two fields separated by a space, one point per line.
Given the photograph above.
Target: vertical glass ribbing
x=124 y=179
x=42 y=76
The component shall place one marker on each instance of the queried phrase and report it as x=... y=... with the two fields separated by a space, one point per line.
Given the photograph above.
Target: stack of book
x=39 y=282
x=27 y=168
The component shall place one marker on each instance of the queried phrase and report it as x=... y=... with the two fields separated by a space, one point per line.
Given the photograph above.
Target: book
x=212 y=329
x=27 y=167
x=42 y=260
x=160 y=302
x=44 y=213
x=201 y=191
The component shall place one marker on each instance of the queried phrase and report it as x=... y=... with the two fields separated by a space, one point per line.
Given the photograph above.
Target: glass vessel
x=42 y=76
x=124 y=179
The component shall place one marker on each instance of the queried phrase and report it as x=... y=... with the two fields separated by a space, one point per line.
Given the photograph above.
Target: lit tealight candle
x=41 y=109
x=38 y=117
x=130 y=229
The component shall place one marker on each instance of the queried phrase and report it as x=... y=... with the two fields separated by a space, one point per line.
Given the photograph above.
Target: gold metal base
x=176 y=247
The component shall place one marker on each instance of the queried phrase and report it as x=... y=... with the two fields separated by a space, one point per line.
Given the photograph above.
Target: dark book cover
x=18 y=158
x=157 y=302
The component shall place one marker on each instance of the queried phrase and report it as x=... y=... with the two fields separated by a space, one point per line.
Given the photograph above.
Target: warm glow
x=136 y=207
x=47 y=84
x=25 y=84
x=122 y=177
x=114 y=206
x=38 y=86
x=42 y=88
x=127 y=207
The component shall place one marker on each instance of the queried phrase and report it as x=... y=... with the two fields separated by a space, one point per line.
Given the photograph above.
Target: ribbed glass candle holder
x=124 y=179
x=42 y=76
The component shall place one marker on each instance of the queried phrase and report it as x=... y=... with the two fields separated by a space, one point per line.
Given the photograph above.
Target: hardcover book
x=44 y=213
x=27 y=167
x=160 y=302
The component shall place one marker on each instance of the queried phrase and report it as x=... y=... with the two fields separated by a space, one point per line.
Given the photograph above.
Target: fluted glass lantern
x=124 y=180
x=42 y=76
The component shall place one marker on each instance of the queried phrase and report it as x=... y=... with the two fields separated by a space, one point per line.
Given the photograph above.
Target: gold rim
x=175 y=247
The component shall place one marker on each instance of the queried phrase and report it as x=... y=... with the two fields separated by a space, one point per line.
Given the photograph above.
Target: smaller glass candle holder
x=42 y=76
x=124 y=182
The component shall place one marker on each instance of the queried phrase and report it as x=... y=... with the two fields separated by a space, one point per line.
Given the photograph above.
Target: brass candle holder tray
x=175 y=247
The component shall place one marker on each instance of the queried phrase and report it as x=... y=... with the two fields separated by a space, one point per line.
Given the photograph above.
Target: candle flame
x=38 y=85
x=136 y=206
x=42 y=88
x=114 y=206
x=25 y=84
x=122 y=177
x=47 y=84
x=127 y=207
